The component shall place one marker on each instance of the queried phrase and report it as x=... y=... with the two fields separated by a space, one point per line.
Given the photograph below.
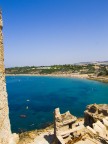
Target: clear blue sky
x=47 y=32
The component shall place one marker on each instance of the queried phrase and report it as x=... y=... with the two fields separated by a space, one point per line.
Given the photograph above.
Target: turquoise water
x=43 y=94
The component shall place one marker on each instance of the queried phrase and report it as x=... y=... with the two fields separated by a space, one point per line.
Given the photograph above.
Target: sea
x=32 y=99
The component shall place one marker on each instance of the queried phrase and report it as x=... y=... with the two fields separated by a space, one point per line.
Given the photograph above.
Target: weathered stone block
x=94 y=113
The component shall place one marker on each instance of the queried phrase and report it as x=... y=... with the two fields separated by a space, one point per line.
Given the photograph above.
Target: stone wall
x=95 y=112
x=5 y=132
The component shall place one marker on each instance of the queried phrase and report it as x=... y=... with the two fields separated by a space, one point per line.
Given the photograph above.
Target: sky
x=48 y=32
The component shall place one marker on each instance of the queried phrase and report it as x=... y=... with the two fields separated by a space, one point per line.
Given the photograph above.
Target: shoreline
x=85 y=76
x=76 y=75
x=37 y=135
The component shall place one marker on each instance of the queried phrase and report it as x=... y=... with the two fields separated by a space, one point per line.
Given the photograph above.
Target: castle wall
x=5 y=132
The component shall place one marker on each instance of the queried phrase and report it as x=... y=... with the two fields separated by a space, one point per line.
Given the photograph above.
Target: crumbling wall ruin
x=92 y=129
x=95 y=112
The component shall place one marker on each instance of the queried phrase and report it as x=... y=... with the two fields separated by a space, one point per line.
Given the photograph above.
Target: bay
x=36 y=97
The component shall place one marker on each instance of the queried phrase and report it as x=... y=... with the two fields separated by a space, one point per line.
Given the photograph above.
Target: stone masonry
x=5 y=132
x=93 y=129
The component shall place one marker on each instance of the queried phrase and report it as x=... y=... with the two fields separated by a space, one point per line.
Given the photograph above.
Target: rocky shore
x=100 y=79
x=42 y=136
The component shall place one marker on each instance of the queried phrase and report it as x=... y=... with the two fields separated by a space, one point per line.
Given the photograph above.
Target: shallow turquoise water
x=47 y=93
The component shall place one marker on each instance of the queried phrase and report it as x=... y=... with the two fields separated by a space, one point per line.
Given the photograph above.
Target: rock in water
x=23 y=116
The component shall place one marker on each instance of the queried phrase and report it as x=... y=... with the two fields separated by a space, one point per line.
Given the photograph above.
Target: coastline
x=53 y=75
x=100 y=79
x=76 y=75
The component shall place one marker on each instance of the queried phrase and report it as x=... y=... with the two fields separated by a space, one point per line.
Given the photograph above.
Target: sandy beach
x=103 y=79
x=53 y=75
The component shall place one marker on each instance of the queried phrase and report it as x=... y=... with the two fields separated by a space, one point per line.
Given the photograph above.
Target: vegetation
x=98 y=70
x=102 y=71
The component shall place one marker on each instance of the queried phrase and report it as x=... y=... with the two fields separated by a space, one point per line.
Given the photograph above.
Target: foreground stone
x=93 y=129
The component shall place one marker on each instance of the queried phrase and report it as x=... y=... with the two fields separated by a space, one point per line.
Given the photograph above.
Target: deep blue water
x=47 y=93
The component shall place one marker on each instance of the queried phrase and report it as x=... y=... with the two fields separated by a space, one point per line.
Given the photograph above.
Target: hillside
x=98 y=70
